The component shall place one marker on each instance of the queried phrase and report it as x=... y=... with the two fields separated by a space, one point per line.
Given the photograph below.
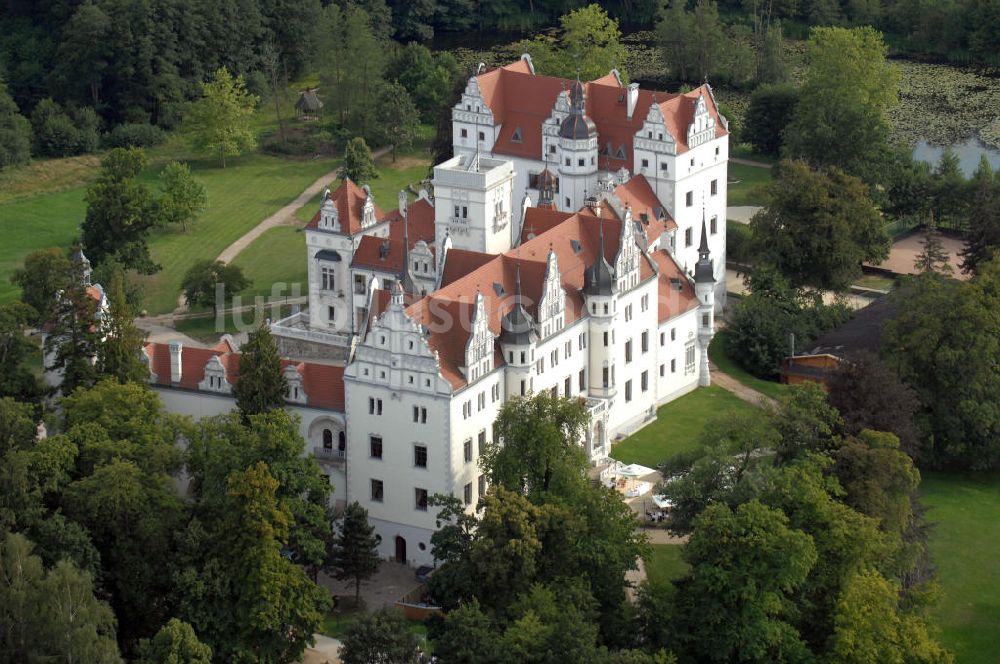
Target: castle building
x=575 y=245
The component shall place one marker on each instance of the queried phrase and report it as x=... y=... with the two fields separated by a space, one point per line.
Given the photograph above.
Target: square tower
x=473 y=203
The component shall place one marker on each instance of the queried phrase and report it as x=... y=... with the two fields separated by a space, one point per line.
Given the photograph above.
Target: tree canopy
x=220 y=120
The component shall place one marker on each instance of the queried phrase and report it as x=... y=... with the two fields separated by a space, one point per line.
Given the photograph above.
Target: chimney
x=633 y=98
x=176 y=348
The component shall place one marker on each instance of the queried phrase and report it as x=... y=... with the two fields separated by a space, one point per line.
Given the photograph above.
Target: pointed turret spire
x=600 y=277
x=704 y=272
x=517 y=326
x=703 y=247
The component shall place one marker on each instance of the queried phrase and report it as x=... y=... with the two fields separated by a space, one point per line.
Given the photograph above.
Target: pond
x=968 y=152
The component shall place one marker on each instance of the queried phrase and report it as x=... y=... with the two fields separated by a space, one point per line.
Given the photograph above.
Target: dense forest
x=136 y=61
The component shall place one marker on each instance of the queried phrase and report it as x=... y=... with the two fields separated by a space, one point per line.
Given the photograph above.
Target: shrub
x=134 y=134
x=738 y=238
x=61 y=134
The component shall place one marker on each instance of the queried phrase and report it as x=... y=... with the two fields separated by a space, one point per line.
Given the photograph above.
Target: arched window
x=341 y=441
x=327 y=439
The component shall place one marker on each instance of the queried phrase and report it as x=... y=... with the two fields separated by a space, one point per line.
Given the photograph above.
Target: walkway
x=730 y=384
x=742 y=214
x=751 y=162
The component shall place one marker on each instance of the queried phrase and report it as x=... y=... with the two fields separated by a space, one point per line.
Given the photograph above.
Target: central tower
x=577 y=153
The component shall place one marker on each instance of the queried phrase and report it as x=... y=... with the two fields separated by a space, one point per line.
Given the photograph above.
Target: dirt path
x=730 y=384
x=751 y=162
x=283 y=217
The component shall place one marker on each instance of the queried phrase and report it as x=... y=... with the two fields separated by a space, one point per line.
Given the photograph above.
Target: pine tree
x=261 y=387
x=358 y=163
x=120 y=353
x=73 y=335
x=355 y=556
x=932 y=257
x=983 y=238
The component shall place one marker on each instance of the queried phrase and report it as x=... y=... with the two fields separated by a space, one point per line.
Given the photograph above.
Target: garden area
x=663 y=563
x=746 y=183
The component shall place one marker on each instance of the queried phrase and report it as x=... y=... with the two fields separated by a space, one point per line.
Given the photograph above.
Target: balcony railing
x=328 y=454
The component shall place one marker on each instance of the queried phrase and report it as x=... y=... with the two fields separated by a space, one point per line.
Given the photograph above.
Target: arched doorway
x=400 y=550
x=341 y=443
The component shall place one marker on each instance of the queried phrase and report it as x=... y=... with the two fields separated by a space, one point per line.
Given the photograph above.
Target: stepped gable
x=323 y=383
x=447 y=312
x=350 y=201
x=520 y=99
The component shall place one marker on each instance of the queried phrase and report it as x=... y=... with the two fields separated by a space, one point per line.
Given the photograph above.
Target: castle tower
x=517 y=342
x=704 y=287
x=473 y=203
x=601 y=302
x=577 y=152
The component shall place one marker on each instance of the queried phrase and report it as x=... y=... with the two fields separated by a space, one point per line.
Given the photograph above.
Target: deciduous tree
x=175 y=643
x=818 y=227
x=204 y=278
x=119 y=354
x=15 y=131
x=16 y=380
x=45 y=273
x=73 y=335
x=220 y=120
x=382 y=636
x=120 y=212
x=771 y=109
x=182 y=198
x=358 y=163
x=397 y=117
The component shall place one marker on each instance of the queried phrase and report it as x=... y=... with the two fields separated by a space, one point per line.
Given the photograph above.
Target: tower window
x=715 y=187
x=581 y=162
x=482 y=136
x=645 y=163
x=689 y=199
x=465 y=133
x=687 y=237
x=714 y=225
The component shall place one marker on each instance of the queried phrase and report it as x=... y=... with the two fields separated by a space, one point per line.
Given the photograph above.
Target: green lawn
x=876 y=281
x=36 y=223
x=276 y=260
x=749 y=180
x=965 y=539
x=678 y=426
x=664 y=564
x=717 y=353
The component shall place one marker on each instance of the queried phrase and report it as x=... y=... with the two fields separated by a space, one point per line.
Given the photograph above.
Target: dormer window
x=293 y=379
x=328 y=216
x=517 y=136
x=215 y=377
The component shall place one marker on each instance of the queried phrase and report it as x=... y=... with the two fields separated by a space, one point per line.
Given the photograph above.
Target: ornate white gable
x=479 y=347
x=702 y=128
x=215 y=377
x=552 y=306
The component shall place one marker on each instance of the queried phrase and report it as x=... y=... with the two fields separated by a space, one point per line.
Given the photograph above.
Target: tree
x=220 y=120
x=15 y=132
x=182 y=198
x=772 y=69
x=735 y=603
x=119 y=355
x=120 y=212
x=56 y=134
x=73 y=336
x=221 y=446
x=588 y=45
x=245 y=599
x=693 y=42
x=16 y=380
x=983 y=237
x=949 y=191
x=382 y=636
x=937 y=341
x=870 y=395
x=397 y=117
x=675 y=29
x=708 y=44
x=356 y=549
x=262 y=386
x=771 y=109
x=175 y=643
x=848 y=89
x=50 y=615
x=538 y=452
x=468 y=635
x=428 y=77
x=871 y=626
x=271 y=60
x=818 y=227
x=206 y=283
x=358 y=163
x=932 y=259
x=45 y=273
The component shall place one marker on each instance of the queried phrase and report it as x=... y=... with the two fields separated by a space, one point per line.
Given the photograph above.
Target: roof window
x=517 y=136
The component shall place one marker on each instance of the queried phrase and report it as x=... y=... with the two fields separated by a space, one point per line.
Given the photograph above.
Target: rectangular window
x=644 y=302
x=554 y=358
x=467 y=493
x=331 y=315
x=465 y=133
x=416 y=414
x=420 y=499
x=689 y=199
x=605 y=339
x=375 y=447
x=583 y=340
x=673 y=366
x=581 y=162
x=715 y=187
x=661 y=371
x=713 y=225
x=467 y=450
x=689 y=359
x=673 y=334
x=628 y=351
x=567 y=386
x=420 y=456
x=687 y=237
x=644 y=381
x=482 y=136
x=568 y=349
x=645 y=163
x=540 y=365
x=704 y=320
x=328 y=281
x=482 y=485
x=604 y=377
x=628 y=391
x=645 y=341
x=371 y=405
x=423 y=416
x=523 y=388
x=377 y=491
x=482 y=441
x=663 y=339
x=583 y=380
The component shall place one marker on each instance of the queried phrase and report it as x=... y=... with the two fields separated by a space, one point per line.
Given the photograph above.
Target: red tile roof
x=520 y=99
x=460 y=262
x=323 y=384
x=350 y=201
x=676 y=292
x=421 y=222
x=379 y=254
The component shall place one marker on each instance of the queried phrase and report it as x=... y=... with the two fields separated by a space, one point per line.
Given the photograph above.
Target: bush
x=59 y=135
x=134 y=134
x=738 y=238
x=87 y=129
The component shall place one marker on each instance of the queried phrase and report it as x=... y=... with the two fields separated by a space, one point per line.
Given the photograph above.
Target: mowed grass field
x=249 y=189
x=678 y=426
x=276 y=257
x=749 y=181
x=964 y=542
x=664 y=564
